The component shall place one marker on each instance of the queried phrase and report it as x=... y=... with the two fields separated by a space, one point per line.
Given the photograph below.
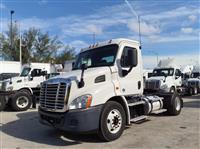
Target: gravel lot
x=22 y=130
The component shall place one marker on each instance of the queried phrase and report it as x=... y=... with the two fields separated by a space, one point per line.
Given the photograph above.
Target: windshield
x=102 y=56
x=25 y=72
x=163 y=72
x=195 y=75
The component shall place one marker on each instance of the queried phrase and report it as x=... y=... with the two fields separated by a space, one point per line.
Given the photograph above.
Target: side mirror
x=33 y=73
x=83 y=67
x=132 y=58
x=44 y=73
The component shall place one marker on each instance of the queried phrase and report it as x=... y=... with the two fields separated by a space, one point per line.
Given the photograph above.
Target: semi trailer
x=103 y=93
x=19 y=92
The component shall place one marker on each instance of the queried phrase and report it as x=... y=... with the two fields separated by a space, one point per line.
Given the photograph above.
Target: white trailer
x=103 y=93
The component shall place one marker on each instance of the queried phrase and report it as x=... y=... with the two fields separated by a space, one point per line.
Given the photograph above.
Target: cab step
x=139 y=118
x=135 y=103
x=159 y=111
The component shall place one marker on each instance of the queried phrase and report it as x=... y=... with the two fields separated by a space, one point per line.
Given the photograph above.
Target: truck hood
x=156 y=78
x=89 y=74
x=193 y=79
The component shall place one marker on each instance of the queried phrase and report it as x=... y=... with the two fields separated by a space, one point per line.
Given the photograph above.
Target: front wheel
x=112 y=122
x=21 y=101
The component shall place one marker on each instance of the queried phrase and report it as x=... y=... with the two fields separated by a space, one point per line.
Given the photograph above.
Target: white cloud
x=181 y=59
x=187 y=30
x=94 y=29
x=192 y=18
x=2 y=6
x=146 y=29
x=43 y=2
x=78 y=44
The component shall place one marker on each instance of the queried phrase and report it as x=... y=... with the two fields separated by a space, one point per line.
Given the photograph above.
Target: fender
x=27 y=88
x=123 y=102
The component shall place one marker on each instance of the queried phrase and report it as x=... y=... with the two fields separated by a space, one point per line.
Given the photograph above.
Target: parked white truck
x=103 y=92
x=193 y=83
x=18 y=91
x=165 y=78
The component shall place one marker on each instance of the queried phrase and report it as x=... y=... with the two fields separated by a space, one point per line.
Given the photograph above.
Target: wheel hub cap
x=114 y=121
x=22 y=102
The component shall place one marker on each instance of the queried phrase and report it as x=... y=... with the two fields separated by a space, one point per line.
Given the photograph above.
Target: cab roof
x=109 y=42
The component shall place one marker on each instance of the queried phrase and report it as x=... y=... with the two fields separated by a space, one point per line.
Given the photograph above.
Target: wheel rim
x=22 y=101
x=172 y=90
x=178 y=103
x=195 y=90
x=114 y=121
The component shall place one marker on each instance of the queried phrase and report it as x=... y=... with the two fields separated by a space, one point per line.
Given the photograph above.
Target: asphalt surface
x=21 y=130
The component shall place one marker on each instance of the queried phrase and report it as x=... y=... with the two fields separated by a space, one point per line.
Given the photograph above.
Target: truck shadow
x=27 y=127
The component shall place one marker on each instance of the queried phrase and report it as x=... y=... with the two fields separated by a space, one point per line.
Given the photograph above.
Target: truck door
x=130 y=80
x=178 y=79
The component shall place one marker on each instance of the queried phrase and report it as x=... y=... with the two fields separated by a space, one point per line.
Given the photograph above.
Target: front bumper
x=6 y=93
x=80 y=120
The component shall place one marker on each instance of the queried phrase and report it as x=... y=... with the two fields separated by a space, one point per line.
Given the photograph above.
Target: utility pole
x=138 y=20
x=11 y=28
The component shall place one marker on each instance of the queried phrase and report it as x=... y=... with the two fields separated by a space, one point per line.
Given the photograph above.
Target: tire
x=174 y=105
x=113 y=112
x=21 y=101
x=191 y=92
x=2 y=103
x=195 y=90
x=172 y=89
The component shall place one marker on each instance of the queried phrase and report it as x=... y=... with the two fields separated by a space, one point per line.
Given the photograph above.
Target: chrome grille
x=153 y=84
x=193 y=83
x=54 y=96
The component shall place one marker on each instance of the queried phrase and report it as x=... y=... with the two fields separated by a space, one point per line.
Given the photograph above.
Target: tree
x=11 y=52
x=36 y=47
x=67 y=54
x=28 y=43
x=45 y=48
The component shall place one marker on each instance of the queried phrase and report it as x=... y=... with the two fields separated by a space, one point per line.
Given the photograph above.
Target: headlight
x=163 y=86
x=10 y=88
x=81 y=102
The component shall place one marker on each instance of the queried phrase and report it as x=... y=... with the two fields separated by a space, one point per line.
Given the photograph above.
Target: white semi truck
x=193 y=83
x=18 y=91
x=165 y=78
x=103 y=92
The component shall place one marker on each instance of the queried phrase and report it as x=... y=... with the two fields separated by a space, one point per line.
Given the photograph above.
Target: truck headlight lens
x=10 y=88
x=164 y=86
x=81 y=102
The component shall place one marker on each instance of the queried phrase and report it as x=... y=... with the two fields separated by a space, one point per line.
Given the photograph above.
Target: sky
x=169 y=28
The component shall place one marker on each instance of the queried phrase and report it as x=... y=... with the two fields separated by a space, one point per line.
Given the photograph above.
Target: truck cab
x=193 y=83
x=19 y=91
x=103 y=93
x=164 y=79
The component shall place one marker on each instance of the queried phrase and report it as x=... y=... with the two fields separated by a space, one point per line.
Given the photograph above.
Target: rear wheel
x=2 y=103
x=112 y=122
x=195 y=91
x=191 y=92
x=21 y=101
x=174 y=105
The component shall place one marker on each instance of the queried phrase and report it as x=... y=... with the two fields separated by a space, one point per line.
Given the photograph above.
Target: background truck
x=103 y=93
x=18 y=91
x=193 y=83
x=165 y=78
